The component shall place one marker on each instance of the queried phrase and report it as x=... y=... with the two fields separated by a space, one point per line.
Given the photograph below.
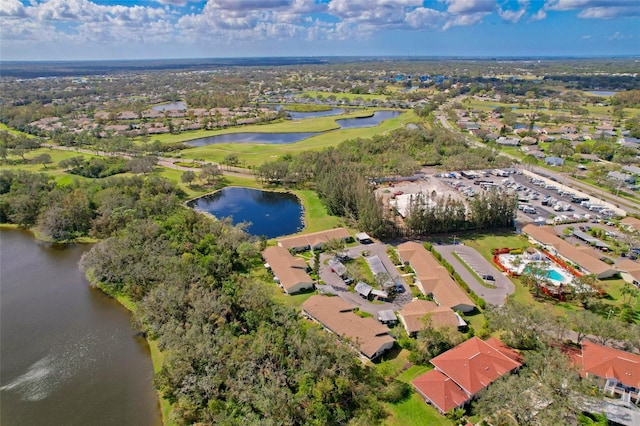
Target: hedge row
x=477 y=299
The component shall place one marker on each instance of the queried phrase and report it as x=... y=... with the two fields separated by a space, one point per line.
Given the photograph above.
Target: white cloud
x=470 y=7
x=12 y=8
x=175 y=2
x=596 y=9
x=514 y=16
x=464 y=20
x=539 y=15
x=617 y=36
x=586 y=37
x=424 y=17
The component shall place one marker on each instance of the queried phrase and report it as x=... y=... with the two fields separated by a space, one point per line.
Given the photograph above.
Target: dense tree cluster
x=627 y=99
x=67 y=212
x=344 y=178
x=548 y=389
x=234 y=355
x=94 y=167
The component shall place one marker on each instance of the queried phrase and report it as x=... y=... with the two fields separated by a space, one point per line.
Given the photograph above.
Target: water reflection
x=269 y=213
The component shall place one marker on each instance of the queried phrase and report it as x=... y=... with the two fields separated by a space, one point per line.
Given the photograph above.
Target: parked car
x=488 y=277
x=348 y=281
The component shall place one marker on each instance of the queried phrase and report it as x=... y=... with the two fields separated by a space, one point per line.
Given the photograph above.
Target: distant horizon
x=459 y=57
x=100 y=30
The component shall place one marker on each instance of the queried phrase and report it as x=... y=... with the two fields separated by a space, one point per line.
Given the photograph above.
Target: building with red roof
x=618 y=371
x=465 y=370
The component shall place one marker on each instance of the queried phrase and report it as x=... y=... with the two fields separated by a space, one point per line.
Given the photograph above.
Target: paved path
x=493 y=296
x=627 y=205
x=335 y=284
x=162 y=161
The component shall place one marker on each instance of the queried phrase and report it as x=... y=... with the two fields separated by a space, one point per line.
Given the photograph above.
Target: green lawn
x=51 y=169
x=315 y=124
x=316 y=217
x=414 y=411
x=251 y=155
x=14 y=132
x=340 y=96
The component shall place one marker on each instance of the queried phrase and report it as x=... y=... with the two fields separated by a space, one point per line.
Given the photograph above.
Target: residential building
x=554 y=161
x=505 y=141
x=616 y=371
x=621 y=177
x=630 y=271
x=415 y=313
x=586 y=258
x=366 y=335
x=460 y=373
x=315 y=240
x=289 y=271
x=434 y=279
x=631 y=223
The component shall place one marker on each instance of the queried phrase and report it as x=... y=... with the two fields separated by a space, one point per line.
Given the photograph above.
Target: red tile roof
x=608 y=363
x=474 y=364
x=440 y=390
x=314 y=239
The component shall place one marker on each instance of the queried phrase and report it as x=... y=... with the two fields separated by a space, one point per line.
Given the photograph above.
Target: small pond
x=271 y=214
x=377 y=118
x=602 y=92
x=269 y=138
x=302 y=115
x=286 y=138
x=180 y=105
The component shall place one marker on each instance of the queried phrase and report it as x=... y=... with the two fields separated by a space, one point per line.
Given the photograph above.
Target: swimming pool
x=551 y=273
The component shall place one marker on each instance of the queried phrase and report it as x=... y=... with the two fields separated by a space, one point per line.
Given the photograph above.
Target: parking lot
x=503 y=286
x=538 y=200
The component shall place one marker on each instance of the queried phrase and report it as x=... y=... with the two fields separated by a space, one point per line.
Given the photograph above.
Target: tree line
x=344 y=178
x=233 y=354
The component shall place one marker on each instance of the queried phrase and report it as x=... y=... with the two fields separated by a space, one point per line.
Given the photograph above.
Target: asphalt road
x=627 y=205
x=334 y=284
x=494 y=296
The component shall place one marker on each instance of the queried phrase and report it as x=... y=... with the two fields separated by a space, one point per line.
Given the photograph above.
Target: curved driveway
x=494 y=296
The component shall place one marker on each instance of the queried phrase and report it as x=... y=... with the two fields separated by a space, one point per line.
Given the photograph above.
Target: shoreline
x=157 y=356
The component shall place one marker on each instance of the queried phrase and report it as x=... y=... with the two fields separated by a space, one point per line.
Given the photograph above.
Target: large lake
x=271 y=214
x=285 y=138
x=69 y=354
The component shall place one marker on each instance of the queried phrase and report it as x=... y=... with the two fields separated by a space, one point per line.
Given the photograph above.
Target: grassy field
x=414 y=411
x=341 y=96
x=252 y=155
x=51 y=169
x=4 y=127
x=316 y=124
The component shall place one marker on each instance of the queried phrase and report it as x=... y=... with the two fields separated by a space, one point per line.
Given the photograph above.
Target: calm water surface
x=284 y=138
x=377 y=118
x=270 y=138
x=168 y=107
x=602 y=92
x=69 y=355
x=271 y=214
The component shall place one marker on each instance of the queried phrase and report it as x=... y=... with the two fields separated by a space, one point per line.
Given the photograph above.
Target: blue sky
x=141 y=29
